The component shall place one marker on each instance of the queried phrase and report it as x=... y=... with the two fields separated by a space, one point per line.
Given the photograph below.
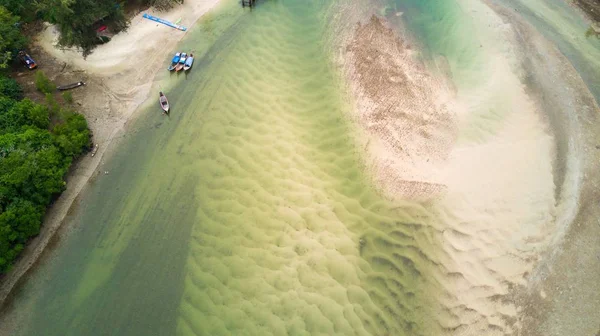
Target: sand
x=403 y=110
x=506 y=186
x=114 y=89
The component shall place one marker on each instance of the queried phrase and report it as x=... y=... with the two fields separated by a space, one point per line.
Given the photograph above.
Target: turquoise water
x=248 y=210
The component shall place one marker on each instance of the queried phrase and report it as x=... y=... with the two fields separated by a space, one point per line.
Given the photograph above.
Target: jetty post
x=249 y=3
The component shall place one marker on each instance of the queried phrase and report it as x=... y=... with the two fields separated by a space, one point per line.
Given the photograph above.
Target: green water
x=248 y=211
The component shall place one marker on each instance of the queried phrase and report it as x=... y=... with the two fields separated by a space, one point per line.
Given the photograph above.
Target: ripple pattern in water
x=289 y=239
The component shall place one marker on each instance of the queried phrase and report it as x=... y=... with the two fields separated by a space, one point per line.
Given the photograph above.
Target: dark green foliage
x=21 y=8
x=42 y=83
x=33 y=163
x=10 y=88
x=11 y=39
x=23 y=113
x=68 y=97
x=73 y=135
x=163 y=4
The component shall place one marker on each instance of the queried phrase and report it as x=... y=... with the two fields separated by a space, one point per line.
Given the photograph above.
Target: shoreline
x=109 y=102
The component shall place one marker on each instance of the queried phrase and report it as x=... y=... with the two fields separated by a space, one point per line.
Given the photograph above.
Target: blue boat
x=174 y=61
x=163 y=21
x=188 y=63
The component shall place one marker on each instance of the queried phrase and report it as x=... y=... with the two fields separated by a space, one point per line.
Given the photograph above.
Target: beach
x=118 y=76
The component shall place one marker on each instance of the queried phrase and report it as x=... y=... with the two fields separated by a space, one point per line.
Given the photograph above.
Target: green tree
x=73 y=136
x=10 y=88
x=75 y=20
x=23 y=113
x=11 y=39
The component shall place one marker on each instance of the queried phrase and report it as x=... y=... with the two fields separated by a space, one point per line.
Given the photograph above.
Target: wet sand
x=404 y=111
x=509 y=184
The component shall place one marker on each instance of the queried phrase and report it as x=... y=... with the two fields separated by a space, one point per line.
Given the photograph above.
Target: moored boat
x=174 y=61
x=181 y=63
x=164 y=103
x=188 y=63
x=70 y=86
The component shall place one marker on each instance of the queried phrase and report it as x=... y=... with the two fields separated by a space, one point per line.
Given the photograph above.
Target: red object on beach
x=101 y=29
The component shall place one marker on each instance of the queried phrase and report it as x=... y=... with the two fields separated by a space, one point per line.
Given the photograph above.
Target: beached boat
x=174 y=61
x=70 y=86
x=164 y=103
x=181 y=63
x=27 y=60
x=188 y=63
x=95 y=149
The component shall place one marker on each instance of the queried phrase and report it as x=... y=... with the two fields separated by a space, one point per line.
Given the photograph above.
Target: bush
x=68 y=97
x=10 y=88
x=11 y=39
x=43 y=84
x=164 y=4
x=73 y=136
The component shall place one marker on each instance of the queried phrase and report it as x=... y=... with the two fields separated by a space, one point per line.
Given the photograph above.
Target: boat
x=164 y=103
x=188 y=63
x=163 y=21
x=181 y=63
x=70 y=86
x=95 y=150
x=174 y=61
x=27 y=60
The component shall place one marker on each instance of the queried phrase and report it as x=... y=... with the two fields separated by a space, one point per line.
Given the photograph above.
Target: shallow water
x=248 y=211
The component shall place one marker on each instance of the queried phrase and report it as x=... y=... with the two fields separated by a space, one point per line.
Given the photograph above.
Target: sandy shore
x=113 y=92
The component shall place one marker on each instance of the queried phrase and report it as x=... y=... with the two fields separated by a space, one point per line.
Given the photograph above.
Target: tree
x=10 y=88
x=75 y=20
x=11 y=39
x=33 y=163
x=73 y=136
x=23 y=113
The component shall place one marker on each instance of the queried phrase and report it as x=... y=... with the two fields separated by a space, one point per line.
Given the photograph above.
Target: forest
x=38 y=142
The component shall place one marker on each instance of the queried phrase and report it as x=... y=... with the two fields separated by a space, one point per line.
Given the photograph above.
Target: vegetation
x=77 y=20
x=43 y=84
x=162 y=4
x=35 y=155
x=68 y=97
x=592 y=32
x=10 y=89
x=11 y=39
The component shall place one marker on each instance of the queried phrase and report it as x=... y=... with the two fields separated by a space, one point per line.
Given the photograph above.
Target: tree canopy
x=35 y=155
x=11 y=39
